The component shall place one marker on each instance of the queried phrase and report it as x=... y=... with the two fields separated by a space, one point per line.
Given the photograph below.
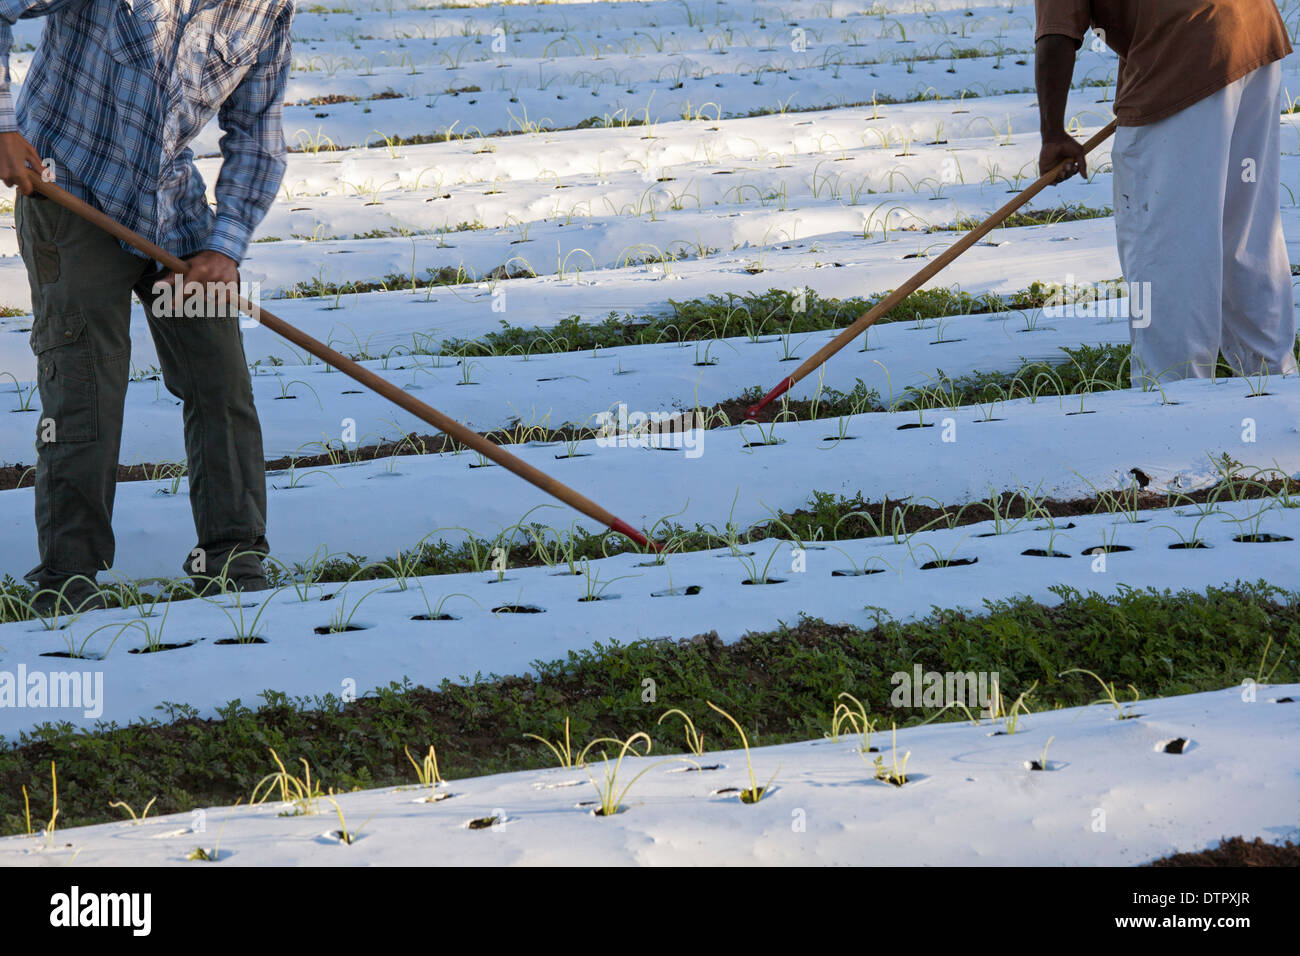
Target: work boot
x=212 y=585
x=73 y=595
x=236 y=568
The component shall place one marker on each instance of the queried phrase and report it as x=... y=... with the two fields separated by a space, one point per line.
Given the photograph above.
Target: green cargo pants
x=81 y=282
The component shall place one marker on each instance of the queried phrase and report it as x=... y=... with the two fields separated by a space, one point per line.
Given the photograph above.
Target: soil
x=953 y=563
x=156 y=648
x=689 y=590
x=1237 y=851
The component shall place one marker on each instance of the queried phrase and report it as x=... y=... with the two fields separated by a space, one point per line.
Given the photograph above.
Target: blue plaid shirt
x=118 y=89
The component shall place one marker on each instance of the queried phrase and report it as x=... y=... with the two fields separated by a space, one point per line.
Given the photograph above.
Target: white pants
x=1198 y=217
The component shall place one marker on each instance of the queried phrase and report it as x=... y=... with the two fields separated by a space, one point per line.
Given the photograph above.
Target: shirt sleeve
x=1070 y=18
x=252 y=147
x=11 y=11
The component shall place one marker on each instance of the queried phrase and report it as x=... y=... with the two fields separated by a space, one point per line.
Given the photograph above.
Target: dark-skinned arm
x=1053 y=71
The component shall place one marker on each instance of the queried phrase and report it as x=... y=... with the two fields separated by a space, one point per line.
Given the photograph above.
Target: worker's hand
x=1059 y=147
x=211 y=274
x=17 y=157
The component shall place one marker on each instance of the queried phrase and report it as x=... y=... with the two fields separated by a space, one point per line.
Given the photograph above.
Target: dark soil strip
x=1238 y=852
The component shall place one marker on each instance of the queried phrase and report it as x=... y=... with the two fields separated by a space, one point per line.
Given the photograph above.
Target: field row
x=310 y=639
x=1087 y=786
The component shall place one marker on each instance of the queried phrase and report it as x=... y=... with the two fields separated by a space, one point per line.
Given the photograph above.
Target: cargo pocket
x=65 y=376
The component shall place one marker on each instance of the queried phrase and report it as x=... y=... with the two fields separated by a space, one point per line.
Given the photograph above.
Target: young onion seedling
x=694 y=739
x=611 y=797
x=754 y=793
x=896 y=773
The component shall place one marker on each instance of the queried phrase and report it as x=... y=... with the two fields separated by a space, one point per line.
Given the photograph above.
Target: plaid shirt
x=118 y=89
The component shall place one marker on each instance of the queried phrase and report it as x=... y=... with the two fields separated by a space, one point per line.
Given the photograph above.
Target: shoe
x=207 y=586
x=76 y=597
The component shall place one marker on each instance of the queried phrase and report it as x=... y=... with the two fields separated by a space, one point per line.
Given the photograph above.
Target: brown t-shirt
x=1171 y=52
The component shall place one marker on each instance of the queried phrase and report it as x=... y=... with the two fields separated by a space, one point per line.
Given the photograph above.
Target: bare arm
x=1053 y=70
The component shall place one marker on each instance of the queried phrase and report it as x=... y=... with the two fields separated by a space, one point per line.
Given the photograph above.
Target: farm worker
x=1196 y=166
x=116 y=91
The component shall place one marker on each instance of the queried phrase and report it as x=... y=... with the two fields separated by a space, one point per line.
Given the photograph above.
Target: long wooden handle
x=388 y=390
x=865 y=320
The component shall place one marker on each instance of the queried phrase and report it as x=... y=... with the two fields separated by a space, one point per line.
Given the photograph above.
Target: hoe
x=363 y=375
x=491 y=450
x=931 y=269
